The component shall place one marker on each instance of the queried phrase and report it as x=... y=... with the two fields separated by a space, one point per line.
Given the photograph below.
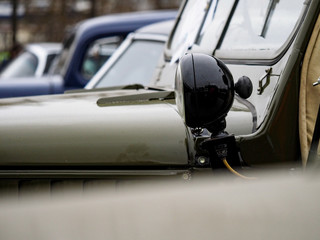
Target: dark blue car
x=85 y=48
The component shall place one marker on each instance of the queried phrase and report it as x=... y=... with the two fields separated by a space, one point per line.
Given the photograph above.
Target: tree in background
x=47 y=20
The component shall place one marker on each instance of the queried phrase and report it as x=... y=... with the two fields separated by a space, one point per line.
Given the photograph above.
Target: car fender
x=79 y=130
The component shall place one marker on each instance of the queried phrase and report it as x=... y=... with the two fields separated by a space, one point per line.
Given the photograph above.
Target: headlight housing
x=204 y=90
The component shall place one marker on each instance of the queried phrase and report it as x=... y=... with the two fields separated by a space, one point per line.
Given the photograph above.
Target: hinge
x=265 y=80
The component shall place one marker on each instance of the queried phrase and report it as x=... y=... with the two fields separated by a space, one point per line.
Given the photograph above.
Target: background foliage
x=47 y=20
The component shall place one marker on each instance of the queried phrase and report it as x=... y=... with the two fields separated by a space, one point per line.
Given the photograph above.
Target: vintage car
x=238 y=100
x=265 y=42
x=34 y=61
x=85 y=48
x=138 y=55
x=21 y=76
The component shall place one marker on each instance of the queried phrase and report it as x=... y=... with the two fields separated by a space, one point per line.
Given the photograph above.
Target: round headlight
x=204 y=90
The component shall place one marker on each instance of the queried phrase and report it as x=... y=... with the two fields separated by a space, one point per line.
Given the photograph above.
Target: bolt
x=202 y=160
x=186 y=176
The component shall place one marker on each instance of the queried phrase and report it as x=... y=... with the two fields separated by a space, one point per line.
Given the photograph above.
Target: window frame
x=258 y=56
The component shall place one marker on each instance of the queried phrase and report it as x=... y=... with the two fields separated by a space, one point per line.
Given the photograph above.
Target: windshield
x=24 y=65
x=262 y=25
x=135 y=66
x=187 y=29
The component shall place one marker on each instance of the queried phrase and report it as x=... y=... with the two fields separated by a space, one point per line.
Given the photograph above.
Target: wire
x=224 y=160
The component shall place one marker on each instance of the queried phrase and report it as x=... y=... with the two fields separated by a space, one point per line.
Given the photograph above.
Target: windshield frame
x=61 y=63
x=122 y=50
x=259 y=56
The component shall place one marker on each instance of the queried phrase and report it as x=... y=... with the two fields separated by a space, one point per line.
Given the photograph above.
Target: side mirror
x=204 y=91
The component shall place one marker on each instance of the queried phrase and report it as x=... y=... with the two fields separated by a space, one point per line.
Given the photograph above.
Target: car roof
x=48 y=47
x=162 y=28
x=123 y=19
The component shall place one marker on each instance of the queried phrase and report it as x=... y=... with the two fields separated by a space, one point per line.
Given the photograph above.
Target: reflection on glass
x=188 y=27
x=209 y=19
x=24 y=65
x=262 y=25
x=61 y=62
x=97 y=54
x=269 y=14
x=135 y=66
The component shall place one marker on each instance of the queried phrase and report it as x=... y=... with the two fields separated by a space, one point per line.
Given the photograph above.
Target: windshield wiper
x=270 y=11
x=143 y=97
x=140 y=86
x=121 y=87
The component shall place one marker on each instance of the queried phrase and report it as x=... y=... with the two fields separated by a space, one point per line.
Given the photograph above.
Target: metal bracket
x=317 y=82
x=265 y=80
x=219 y=147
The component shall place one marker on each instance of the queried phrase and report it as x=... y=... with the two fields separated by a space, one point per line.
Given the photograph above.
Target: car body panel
x=101 y=127
x=31 y=86
x=114 y=134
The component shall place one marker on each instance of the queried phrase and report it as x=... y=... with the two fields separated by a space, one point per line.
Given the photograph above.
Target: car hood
x=118 y=128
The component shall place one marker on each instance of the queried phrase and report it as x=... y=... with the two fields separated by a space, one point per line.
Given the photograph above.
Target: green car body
x=118 y=132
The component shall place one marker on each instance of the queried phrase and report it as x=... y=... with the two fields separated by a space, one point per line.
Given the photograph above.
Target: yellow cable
x=235 y=172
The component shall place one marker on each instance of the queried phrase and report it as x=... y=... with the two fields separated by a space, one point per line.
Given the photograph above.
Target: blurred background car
x=136 y=59
x=93 y=38
x=98 y=38
x=35 y=60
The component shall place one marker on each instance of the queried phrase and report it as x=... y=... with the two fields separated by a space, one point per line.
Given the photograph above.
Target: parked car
x=206 y=122
x=138 y=55
x=265 y=42
x=34 y=61
x=85 y=48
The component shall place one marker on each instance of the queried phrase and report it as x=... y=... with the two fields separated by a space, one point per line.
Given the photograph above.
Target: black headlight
x=204 y=90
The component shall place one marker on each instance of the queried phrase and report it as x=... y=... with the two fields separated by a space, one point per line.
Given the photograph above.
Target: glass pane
x=188 y=27
x=216 y=16
x=23 y=66
x=262 y=25
x=98 y=53
x=50 y=60
x=60 y=62
x=135 y=66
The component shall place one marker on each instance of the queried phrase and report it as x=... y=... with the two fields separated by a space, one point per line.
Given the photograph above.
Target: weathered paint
x=72 y=130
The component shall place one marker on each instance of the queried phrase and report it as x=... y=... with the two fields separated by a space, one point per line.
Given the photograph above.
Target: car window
x=24 y=65
x=188 y=27
x=214 y=23
x=60 y=62
x=50 y=60
x=97 y=54
x=262 y=25
x=135 y=66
